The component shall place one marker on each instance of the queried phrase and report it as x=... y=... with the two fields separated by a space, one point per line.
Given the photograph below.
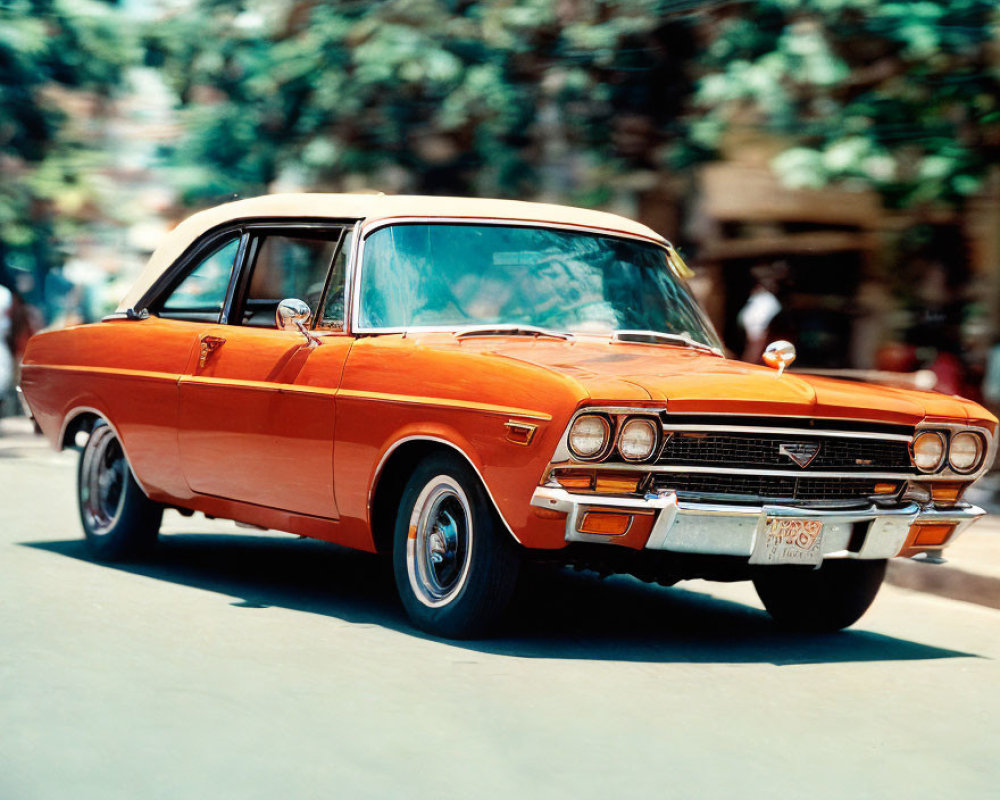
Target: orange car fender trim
x=77 y=411
x=459 y=405
x=106 y=371
x=426 y=437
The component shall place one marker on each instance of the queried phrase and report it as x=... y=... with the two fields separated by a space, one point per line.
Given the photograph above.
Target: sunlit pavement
x=267 y=666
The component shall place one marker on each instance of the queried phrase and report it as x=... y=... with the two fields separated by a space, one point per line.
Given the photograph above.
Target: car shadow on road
x=557 y=613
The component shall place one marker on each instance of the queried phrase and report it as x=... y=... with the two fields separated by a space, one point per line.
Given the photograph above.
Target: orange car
x=470 y=383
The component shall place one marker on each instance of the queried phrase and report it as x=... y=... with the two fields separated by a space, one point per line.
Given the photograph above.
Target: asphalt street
x=265 y=666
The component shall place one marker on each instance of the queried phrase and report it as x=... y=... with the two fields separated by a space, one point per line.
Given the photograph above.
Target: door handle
x=209 y=344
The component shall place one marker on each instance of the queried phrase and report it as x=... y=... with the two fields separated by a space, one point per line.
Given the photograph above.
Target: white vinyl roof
x=370 y=208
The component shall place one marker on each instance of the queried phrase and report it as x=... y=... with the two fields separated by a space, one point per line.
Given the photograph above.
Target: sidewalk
x=972 y=571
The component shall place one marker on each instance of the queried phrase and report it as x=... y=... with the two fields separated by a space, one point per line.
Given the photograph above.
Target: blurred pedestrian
x=761 y=310
x=6 y=353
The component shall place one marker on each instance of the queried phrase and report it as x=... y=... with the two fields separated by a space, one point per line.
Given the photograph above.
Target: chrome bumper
x=731 y=530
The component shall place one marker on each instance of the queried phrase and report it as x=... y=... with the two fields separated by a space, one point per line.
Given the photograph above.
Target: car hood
x=693 y=381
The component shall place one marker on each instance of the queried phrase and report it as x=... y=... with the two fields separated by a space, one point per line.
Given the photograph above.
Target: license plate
x=788 y=541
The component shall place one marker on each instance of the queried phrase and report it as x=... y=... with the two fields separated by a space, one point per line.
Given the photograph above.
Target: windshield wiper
x=510 y=330
x=652 y=337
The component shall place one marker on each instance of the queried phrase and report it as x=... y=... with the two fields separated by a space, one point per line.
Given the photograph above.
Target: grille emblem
x=802 y=453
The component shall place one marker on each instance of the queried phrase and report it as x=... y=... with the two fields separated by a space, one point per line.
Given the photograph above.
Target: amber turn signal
x=605 y=523
x=574 y=480
x=932 y=535
x=926 y=537
x=947 y=492
x=617 y=484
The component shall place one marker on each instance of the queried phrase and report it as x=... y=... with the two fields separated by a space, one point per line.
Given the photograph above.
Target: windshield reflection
x=451 y=275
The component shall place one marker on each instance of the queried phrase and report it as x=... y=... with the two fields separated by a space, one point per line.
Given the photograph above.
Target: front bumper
x=731 y=530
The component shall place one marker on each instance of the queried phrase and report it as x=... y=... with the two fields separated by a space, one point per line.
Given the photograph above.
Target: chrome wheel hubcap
x=439 y=542
x=102 y=481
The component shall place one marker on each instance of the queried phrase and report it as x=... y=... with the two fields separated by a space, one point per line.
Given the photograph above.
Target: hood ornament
x=802 y=453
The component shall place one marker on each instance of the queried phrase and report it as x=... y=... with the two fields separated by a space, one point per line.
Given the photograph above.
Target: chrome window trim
x=256 y=232
x=368 y=228
x=350 y=271
x=238 y=228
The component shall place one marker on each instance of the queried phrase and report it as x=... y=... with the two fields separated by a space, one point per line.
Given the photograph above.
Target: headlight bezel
x=942 y=459
x=605 y=447
x=651 y=424
x=977 y=462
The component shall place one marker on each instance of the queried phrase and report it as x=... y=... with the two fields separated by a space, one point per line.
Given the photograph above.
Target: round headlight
x=589 y=436
x=966 y=451
x=928 y=451
x=637 y=439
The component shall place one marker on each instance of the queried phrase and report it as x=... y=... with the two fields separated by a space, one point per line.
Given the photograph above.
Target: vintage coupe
x=469 y=383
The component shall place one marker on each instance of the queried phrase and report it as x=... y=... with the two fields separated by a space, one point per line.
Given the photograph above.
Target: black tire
x=119 y=521
x=462 y=593
x=819 y=600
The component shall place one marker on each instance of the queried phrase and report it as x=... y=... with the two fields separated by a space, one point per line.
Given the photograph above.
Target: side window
x=202 y=294
x=333 y=307
x=286 y=267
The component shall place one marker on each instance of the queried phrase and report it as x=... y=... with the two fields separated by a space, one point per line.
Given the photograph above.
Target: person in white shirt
x=6 y=356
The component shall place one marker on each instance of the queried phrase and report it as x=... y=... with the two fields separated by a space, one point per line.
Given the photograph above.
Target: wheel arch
x=391 y=474
x=83 y=418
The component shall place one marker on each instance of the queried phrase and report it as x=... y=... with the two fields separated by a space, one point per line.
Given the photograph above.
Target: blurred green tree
x=58 y=59
x=559 y=98
x=440 y=96
x=903 y=96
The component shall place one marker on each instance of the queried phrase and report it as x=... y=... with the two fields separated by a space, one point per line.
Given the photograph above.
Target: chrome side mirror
x=779 y=354
x=294 y=315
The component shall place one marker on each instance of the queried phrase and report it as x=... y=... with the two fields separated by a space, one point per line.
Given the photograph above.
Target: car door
x=257 y=405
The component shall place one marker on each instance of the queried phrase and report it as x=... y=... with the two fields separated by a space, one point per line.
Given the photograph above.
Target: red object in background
x=950 y=374
x=24 y=323
x=896 y=357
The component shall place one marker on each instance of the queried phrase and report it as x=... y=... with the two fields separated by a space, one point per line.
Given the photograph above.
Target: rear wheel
x=455 y=565
x=819 y=600
x=119 y=521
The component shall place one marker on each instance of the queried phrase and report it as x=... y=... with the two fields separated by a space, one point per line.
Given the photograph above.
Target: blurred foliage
x=49 y=50
x=523 y=98
x=426 y=95
x=900 y=96
x=513 y=98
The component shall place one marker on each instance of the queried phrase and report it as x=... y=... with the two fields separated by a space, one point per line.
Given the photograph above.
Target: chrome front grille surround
x=759 y=460
x=786 y=461
x=770 y=451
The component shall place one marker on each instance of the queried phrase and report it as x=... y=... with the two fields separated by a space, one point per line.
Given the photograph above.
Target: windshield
x=459 y=275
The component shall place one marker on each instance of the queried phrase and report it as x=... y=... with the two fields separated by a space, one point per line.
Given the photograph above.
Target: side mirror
x=779 y=354
x=294 y=315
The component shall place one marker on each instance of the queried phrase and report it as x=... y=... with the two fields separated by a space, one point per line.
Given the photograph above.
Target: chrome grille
x=749 y=450
x=769 y=488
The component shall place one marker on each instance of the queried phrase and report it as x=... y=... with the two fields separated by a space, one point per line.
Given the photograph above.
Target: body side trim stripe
x=461 y=405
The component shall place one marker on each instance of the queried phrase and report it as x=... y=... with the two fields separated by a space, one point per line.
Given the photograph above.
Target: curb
x=944 y=581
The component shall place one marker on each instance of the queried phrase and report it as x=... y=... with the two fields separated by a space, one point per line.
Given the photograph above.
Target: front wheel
x=455 y=565
x=119 y=521
x=819 y=600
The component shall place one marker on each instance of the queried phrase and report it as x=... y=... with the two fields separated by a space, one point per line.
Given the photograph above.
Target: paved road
x=240 y=666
